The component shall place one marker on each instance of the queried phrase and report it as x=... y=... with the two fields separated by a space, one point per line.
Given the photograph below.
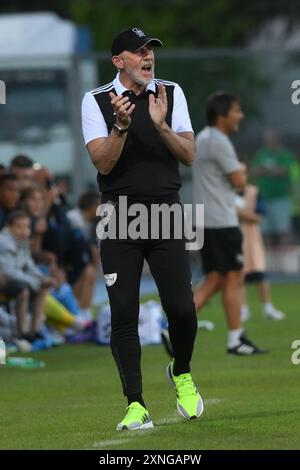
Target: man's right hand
x=106 y=151
x=122 y=108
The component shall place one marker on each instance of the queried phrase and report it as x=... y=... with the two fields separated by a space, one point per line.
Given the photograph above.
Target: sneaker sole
x=148 y=425
x=254 y=353
x=179 y=410
x=269 y=317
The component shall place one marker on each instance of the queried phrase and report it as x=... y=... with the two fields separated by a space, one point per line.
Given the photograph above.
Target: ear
x=118 y=62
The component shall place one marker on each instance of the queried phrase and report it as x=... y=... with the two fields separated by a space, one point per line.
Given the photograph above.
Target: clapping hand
x=158 y=106
x=122 y=108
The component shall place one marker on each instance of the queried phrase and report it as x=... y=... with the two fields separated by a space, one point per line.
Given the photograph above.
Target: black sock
x=180 y=369
x=136 y=397
x=182 y=335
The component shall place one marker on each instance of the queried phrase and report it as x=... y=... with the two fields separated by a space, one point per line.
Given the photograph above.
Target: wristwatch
x=120 y=130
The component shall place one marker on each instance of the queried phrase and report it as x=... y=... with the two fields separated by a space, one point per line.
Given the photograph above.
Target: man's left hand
x=158 y=106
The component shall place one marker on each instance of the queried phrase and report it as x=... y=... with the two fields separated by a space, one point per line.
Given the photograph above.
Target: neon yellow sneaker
x=137 y=417
x=189 y=401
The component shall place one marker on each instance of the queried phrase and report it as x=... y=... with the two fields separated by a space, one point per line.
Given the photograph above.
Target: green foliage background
x=181 y=23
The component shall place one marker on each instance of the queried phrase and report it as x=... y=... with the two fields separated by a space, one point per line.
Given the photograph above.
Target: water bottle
x=25 y=362
x=2 y=352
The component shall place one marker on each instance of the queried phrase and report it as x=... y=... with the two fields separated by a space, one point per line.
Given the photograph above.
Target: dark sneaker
x=246 y=348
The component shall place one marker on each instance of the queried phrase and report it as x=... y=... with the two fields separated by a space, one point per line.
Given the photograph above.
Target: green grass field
x=76 y=401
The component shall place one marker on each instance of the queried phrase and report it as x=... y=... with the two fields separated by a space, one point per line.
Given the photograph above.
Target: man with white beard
x=137 y=129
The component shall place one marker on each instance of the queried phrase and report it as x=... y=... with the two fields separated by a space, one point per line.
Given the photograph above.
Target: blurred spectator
x=85 y=214
x=32 y=201
x=84 y=218
x=8 y=327
x=61 y=307
x=22 y=167
x=17 y=265
x=45 y=179
x=84 y=255
x=2 y=169
x=57 y=236
x=53 y=237
x=9 y=196
x=250 y=210
x=272 y=167
x=63 y=185
x=69 y=238
x=63 y=291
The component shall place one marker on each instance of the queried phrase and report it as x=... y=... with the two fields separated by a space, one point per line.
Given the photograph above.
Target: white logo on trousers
x=110 y=279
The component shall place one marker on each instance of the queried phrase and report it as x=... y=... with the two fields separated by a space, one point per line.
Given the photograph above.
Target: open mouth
x=147 y=68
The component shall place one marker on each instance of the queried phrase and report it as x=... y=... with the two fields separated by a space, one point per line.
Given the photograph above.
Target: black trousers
x=169 y=264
